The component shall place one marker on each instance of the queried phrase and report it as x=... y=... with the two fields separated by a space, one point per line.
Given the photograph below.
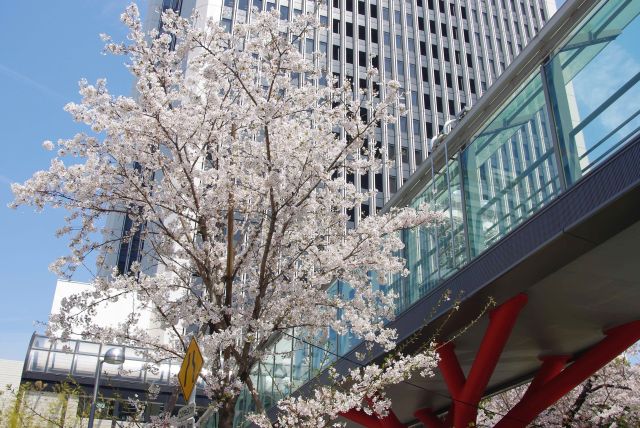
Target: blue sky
x=47 y=47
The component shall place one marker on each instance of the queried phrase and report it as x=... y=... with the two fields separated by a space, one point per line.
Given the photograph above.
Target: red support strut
x=373 y=421
x=546 y=393
x=467 y=393
x=428 y=418
x=360 y=417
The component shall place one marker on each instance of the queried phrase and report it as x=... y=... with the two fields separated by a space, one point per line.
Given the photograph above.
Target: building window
x=284 y=13
x=349 y=55
x=374 y=35
x=349 y=29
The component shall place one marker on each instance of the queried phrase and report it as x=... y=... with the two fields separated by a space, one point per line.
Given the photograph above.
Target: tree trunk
x=227 y=413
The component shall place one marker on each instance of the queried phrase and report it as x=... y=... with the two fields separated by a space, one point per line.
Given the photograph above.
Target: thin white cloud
x=6 y=180
x=29 y=81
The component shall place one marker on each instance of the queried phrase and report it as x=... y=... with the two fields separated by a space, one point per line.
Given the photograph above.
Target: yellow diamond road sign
x=190 y=369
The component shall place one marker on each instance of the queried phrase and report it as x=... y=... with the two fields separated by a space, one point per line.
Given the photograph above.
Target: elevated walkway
x=541 y=186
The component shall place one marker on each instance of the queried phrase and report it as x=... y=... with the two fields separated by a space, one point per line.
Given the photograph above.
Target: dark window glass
x=446 y=54
x=374 y=62
x=336 y=52
x=374 y=11
x=349 y=5
x=284 y=13
x=420 y=23
x=466 y=36
x=439 y=104
x=443 y=30
x=392 y=184
x=361 y=7
x=362 y=83
x=425 y=74
x=349 y=53
x=452 y=110
x=434 y=51
x=374 y=35
x=361 y=32
x=362 y=59
x=460 y=82
x=336 y=4
x=469 y=60
x=349 y=29
x=463 y=12
x=336 y=26
x=472 y=86
x=364 y=208
x=404 y=153
x=423 y=48
x=452 y=9
x=364 y=114
x=432 y=27
x=449 y=83
x=436 y=77
x=427 y=102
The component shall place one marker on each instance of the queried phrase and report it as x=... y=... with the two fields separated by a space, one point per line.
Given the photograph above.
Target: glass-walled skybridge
x=566 y=105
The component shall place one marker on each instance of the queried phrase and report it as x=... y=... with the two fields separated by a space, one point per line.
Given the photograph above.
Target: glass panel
x=64 y=345
x=593 y=84
x=282 y=366
x=509 y=168
x=60 y=362
x=41 y=342
x=37 y=360
x=452 y=251
x=85 y=365
x=300 y=363
x=89 y=348
x=133 y=369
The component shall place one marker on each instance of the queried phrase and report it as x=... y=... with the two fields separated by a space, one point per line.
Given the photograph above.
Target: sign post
x=187 y=378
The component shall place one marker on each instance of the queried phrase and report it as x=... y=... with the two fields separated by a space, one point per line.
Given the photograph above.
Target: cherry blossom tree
x=609 y=398
x=229 y=162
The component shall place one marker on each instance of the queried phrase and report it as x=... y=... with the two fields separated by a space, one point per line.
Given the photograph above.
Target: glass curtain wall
x=570 y=115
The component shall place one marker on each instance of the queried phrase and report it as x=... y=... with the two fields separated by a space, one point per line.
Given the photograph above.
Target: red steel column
x=502 y=320
x=616 y=341
x=428 y=419
x=552 y=365
x=360 y=417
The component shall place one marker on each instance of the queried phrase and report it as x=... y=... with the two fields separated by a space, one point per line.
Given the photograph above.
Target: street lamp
x=112 y=356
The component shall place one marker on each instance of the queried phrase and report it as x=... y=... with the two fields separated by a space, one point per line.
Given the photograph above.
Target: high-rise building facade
x=444 y=54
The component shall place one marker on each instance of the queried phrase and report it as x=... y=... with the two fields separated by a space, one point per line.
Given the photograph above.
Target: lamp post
x=112 y=356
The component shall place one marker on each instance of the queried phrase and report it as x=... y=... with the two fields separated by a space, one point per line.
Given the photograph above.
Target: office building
x=444 y=54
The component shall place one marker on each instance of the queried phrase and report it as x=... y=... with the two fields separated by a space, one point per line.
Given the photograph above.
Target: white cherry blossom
x=230 y=162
